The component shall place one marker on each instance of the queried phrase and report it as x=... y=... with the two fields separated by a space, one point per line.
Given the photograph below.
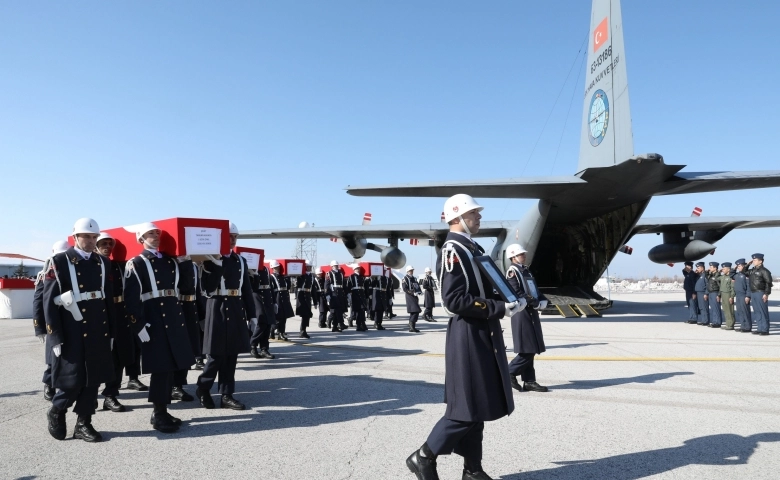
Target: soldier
x=526 y=326
x=280 y=287
x=156 y=316
x=379 y=299
x=726 y=296
x=336 y=296
x=477 y=387
x=700 y=295
x=124 y=337
x=356 y=286
x=78 y=308
x=201 y=301
x=303 y=295
x=390 y=296
x=689 y=285
x=713 y=292
x=742 y=297
x=39 y=319
x=266 y=312
x=188 y=295
x=230 y=309
x=760 y=289
x=428 y=284
x=412 y=291
x=318 y=296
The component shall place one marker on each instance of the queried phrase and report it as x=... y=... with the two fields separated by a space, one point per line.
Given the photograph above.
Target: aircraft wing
x=698 y=182
x=404 y=231
x=698 y=224
x=528 y=187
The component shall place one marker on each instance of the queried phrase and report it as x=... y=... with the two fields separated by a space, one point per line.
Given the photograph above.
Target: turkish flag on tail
x=600 y=35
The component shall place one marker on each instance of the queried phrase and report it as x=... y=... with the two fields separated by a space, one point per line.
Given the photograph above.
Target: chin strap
x=463 y=224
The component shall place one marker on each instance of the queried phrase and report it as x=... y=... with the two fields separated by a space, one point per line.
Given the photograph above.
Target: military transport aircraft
x=581 y=221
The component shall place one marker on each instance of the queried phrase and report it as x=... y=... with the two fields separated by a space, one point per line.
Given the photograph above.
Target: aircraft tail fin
x=606 y=137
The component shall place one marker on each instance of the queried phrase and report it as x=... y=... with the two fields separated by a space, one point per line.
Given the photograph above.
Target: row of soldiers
x=715 y=294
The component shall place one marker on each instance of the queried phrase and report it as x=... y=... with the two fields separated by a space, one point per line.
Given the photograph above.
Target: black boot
x=229 y=402
x=85 y=431
x=423 y=466
x=534 y=387
x=199 y=364
x=48 y=392
x=283 y=336
x=515 y=384
x=111 y=403
x=264 y=353
x=162 y=421
x=304 y=334
x=253 y=352
x=472 y=470
x=205 y=398
x=57 y=427
x=413 y=329
x=178 y=393
x=135 y=384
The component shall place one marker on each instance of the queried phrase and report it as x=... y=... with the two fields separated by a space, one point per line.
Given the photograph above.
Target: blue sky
x=262 y=112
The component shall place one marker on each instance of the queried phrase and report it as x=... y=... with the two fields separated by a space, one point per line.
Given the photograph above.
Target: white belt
x=227 y=292
x=168 y=292
x=304 y=289
x=282 y=289
x=357 y=288
x=187 y=298
x=78 y=297
x=264 y=287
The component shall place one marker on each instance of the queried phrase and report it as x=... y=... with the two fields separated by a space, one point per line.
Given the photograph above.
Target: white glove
x=391 y=302
x=42 y=338
x=215 y=260
x=276 y=308
x=542 y=305
x=514 y=307
x=328 y=299
x=112 y=344
x=144 y=335
x=57 y=350
x=253 y=324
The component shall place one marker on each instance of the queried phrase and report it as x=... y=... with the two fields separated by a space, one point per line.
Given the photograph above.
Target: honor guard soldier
x=281 y=286
x=318 y=295
x=201 y=301
x=266 y=313
x=689 y=285
x=336 y=296
x=156 y=316
x=78 y=308
x=526 y=326
x=429 y=301
x=190 y=305
x=356 y=286
x=412 y=291
x=390 y=296
x=379 y=299
x=700 y=295
x=713 y=292
x=230 y=313
x=124 y=337
x=726 y=295
x=303 y=289
x=742 y=297
x=39 y=319
x=476 y=383
x=760 y=289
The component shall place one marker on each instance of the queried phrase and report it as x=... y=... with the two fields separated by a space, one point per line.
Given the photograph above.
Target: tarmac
x=635 y=394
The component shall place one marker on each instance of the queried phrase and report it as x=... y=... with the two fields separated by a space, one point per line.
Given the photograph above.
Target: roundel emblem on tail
x=598 y=117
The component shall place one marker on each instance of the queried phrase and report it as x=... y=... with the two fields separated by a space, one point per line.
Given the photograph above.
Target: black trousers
x=413 y=318
x=523 y=365
x=463 y=438
x=134 y=369
x=112 y=387
x=323 y=317
x=378 y=314
x=223 y=366
x=428 y=312
x=336 y=316
x=304 y=323
x=83 y=397
x=260 y=336
x=47 y=375
x=281 y=325
x=160 y=385
x=180 y=377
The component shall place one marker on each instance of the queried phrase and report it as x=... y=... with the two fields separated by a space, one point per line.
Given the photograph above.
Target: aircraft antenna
x=306 y=248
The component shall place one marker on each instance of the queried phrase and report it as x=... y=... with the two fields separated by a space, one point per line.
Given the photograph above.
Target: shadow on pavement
x=611 y=382
x=574 y=345
x=722 y=449
x=21 y=394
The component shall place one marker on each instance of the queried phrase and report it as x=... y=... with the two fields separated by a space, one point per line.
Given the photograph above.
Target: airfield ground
x=636 y=394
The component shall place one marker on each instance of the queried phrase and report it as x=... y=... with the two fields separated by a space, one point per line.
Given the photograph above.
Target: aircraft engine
x=355 y=246
x=680 y=252
x=393 y=257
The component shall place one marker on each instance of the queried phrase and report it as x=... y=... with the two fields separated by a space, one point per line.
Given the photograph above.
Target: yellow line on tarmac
x=388 y=351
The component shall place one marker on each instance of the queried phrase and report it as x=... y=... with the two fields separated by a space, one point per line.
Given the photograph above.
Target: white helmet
x=275 y=264
x=356 y=266
x=143 y=228
x=409 y=268
x=85 y=225
x=104 y=235
x=308 y=263
x=233 y=228
x=334 y=263
x=318 y=271
x=457 y=205
x=60 y=246
x=427 y=270
x=514 y=250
